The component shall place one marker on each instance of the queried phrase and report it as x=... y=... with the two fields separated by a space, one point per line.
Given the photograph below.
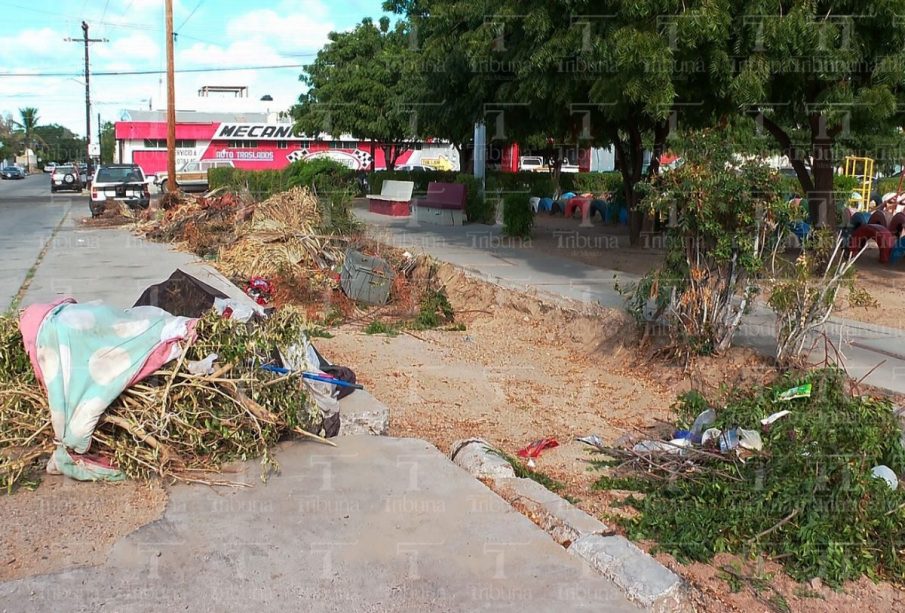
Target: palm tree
x=28 y=123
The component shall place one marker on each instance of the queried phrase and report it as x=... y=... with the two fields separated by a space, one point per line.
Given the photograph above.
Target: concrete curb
x=361 y=413
x=642 y=579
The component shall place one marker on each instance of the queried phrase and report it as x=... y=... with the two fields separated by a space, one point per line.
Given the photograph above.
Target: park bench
x=444 y=204
x=395 y=199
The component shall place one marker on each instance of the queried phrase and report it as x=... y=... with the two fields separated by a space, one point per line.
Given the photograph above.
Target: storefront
x=253 y=141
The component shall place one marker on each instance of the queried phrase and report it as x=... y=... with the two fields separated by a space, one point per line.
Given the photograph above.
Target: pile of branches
x=808 y=499
x=202 y=224
x=287 y=232
x=174 y=424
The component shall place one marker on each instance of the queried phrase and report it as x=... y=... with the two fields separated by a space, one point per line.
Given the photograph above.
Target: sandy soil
x=64 y=523
x=524 y=369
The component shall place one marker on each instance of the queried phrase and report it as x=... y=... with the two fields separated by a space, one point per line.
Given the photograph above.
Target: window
x=282 y=145
x=161 y=143
x=118 y=175
x=242 y=144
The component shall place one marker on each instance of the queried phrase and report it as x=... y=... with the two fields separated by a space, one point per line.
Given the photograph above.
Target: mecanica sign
x=256 y=131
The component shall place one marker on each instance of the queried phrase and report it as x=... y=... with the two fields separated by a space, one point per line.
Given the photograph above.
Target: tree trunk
x=821 y=200
x=388 y=158
x=635 y=216
x=373 y=156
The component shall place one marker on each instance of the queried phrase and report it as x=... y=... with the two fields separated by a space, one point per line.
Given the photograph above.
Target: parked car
x=192 y=176
x=531 y=163
x=49 y=166
x=66 y=177
x=415 y=167
x=119 y=183
x=11 y=172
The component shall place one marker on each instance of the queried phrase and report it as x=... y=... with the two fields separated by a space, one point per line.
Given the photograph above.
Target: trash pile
x=104 y=394
x=791 y=471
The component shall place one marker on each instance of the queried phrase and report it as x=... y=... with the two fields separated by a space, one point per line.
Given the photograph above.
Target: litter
x=706 y=418
x=593 y=440
x=231 y=309
x=260 y=290
x=801 y=391
x=537 y=447
x=203 y=367
x=729 y=440
x=676 y=446
x=774 y=417
x=884 y=472
x=710 y=435
x=750 y=439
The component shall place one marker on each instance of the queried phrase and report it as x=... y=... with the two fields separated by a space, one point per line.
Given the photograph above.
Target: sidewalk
x=876 y=352
x=375 y=524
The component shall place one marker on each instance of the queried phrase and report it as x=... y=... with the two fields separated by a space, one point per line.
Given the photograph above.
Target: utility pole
x=86 y=42
x=171 y=103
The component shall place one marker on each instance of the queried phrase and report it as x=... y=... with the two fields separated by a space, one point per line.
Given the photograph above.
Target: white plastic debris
x=710 y=434
x=750 y=439
x=676 y=445
x=881 y=471
x=776 y=416
x=239 y=312
x=203 y=367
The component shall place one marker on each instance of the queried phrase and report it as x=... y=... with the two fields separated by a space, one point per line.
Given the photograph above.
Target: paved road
x=28 y=215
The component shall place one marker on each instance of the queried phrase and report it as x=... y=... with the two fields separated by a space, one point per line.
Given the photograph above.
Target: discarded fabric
x=537 y=447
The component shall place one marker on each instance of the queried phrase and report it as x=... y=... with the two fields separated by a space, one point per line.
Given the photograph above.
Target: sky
x=210 y=34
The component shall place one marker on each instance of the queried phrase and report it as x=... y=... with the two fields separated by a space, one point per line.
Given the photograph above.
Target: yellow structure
x=863 y=169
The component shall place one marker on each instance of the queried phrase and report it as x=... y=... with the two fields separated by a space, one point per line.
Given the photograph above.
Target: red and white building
x=253 y=141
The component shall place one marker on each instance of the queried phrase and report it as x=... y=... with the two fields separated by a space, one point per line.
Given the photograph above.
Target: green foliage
x=327 y=176
x=518 y=217
x=724 y=216
x=523 y=472
x=809 y=499
x=379 y=327
x=434 y=311
x=361 y=83
x=108 y=142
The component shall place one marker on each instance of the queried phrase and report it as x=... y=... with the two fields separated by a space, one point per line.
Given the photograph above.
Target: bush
x=725 y=215
x=809 y=498
x=518 y=218
x=325 y=175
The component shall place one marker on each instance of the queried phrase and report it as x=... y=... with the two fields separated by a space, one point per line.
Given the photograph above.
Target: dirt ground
x=524 y=369
x=65 y=524
x=608 y=247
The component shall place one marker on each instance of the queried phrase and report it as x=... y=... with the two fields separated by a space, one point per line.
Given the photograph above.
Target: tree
x=582 y=72
x=28 y=122
x=58 y=143
x=360 y=84
x=108 y=142
x=815 y=73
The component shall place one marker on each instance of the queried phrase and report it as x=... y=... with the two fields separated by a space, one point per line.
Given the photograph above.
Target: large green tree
x=576 y=72
x=820 y=76
x=361 y=84
x=56 y=143
x=108 y=142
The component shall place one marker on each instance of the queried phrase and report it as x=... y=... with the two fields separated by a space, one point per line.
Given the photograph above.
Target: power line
x=186 y=20
x=125 y=73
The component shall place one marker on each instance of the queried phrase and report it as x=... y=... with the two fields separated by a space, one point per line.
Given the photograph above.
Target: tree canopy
x=360 y=84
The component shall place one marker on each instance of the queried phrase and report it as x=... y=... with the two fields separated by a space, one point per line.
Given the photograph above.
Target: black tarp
x=181 y=294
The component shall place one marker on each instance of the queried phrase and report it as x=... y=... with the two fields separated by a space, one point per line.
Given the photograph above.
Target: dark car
x=11 y=172
x=66 y=176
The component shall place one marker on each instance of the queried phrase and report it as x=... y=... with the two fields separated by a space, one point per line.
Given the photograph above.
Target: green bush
x=597 y=182
x=809 y=498
x=518 y=218
x=326 y=175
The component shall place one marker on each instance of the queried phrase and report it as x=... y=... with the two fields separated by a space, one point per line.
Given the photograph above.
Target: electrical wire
x=186 y=20
x=124 y=73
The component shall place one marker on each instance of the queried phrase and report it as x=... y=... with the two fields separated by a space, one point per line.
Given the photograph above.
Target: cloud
x=34 y=44
x=136 y=46
x=306 y=30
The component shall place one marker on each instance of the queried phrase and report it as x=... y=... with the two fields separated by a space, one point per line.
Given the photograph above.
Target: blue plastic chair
x=545 y=204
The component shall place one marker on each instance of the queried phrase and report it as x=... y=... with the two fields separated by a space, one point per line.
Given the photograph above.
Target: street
x=29 y=213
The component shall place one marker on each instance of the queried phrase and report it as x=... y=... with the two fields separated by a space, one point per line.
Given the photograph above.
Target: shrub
x=325 y=175
x=518 y=218
x=725 y=215
x=808 y=499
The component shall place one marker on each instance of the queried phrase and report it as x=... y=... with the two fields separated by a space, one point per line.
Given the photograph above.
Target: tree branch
x=804 y=177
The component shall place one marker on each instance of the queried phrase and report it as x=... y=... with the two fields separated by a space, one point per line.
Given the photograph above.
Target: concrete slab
x=110 y=265
x=321 y=537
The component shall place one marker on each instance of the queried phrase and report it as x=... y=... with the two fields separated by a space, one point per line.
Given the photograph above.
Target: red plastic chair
x=579 y=202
